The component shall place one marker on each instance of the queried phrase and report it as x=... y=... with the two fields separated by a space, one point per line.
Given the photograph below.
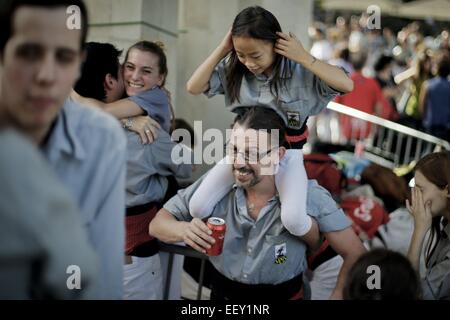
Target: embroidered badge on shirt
x=280 y=253
x=293 y=119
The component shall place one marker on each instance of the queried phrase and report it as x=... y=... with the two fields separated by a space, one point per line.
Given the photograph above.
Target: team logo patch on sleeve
x=293 y=119
x=280 y=253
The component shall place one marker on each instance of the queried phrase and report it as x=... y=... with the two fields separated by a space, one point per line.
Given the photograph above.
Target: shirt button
x=245 y=275
x=249 y=250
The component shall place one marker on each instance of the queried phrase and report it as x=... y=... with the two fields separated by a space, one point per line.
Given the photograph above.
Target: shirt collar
x=235 y=186
x=241 y=201
x=63 y=139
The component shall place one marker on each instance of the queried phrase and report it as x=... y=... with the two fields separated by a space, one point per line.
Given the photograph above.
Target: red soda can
x=218 y=228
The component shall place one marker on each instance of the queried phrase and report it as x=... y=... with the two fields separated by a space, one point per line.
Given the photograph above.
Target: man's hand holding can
x=198 y=236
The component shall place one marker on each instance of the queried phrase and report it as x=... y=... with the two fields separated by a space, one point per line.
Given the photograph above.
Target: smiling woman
x=144 y=75
x=143 y=69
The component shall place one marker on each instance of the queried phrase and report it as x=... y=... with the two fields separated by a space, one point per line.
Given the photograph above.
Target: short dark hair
x=101 y=59
x=382 y=62
x=261 y=118
x=398 y=280
x=345 y=54
x=180 y=123
x=358 y=60
x=8 y=9
x=444 y=65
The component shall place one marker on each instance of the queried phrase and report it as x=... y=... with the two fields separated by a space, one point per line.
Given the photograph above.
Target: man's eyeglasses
x=249 y=156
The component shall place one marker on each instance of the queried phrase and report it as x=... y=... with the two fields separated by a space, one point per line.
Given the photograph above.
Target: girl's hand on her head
x=289 y=46
x=227 y=42
x=420 y=211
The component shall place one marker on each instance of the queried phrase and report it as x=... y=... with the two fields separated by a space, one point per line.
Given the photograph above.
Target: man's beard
x=254 y=181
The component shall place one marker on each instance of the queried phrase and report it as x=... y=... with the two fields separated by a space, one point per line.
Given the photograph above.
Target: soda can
x=218 y=228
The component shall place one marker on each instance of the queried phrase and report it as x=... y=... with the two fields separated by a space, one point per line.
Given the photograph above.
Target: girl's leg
x=214 y=187
x=292 y=185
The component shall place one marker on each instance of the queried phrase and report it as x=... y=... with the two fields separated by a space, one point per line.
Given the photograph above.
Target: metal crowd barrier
x=173 y=249
x=388 y=143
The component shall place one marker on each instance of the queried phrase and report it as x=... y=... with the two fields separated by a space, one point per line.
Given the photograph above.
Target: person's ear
x=281 y=152
x=161 y=79
x=276 y=157
x=447 y=191
x=109 y=81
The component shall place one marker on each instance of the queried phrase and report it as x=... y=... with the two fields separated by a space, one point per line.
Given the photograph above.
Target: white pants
x=143 y=279
x=325 y=278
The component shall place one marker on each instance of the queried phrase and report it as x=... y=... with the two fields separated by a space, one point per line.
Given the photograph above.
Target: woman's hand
x=144 y=126
x=199 y=81
x=289 y=46
x=198 y=235
x=227 y=43
x=420 y=211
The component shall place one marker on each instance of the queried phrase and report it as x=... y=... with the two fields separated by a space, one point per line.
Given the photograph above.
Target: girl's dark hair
x=258 y=23
x=261 y=118
x=156 y=48
x=436 y=168
x=398 y=280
